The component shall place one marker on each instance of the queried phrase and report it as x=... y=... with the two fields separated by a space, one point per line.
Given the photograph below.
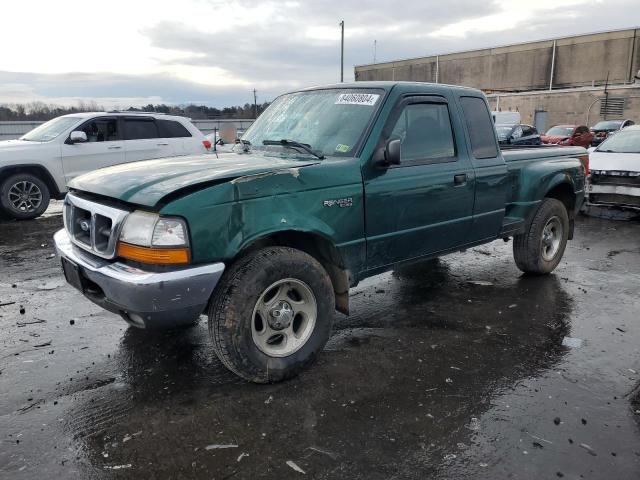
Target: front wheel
x=24 y=196
x=540 y=248
x=271 y=314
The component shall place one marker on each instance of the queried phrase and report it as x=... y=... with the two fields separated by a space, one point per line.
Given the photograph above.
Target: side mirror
x=77 y=136
x=392 y=152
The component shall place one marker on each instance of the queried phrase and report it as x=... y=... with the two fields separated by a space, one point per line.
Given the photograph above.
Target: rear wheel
x=24 y=196
x=271 y=314
x=541 y=247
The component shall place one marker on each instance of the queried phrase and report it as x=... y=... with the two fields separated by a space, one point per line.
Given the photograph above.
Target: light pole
x=342 y=51
x=255 y=104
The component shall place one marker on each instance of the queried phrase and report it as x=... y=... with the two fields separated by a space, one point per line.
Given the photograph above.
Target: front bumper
x=143 y=298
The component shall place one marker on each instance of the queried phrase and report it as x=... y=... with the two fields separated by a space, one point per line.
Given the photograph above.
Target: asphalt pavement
x=453 y=369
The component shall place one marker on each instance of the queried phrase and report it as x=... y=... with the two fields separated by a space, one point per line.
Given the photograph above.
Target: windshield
x=50 y=130
x=626 y=141
x=608 y=125
x=560 y=131
x=503 y=132
x=330 y=122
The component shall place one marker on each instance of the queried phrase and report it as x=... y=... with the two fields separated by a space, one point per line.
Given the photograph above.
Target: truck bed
x=530 y=168
x=539 y=152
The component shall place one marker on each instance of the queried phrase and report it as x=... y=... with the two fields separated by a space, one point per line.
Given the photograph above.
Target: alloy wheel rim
x=284 y=317
x=551 y=238
x=25 y=196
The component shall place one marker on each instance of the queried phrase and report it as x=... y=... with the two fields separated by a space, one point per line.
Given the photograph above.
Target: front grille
x=92 y=226
x=615 y=178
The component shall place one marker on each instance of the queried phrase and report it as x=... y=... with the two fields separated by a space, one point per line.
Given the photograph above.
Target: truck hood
x=624 y=162
x=147 y=182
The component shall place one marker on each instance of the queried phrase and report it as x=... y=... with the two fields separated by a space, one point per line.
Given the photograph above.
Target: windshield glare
x=50 y=130
x=332 y=122
x=608 y=125
x=626 y=141
x=560 y=131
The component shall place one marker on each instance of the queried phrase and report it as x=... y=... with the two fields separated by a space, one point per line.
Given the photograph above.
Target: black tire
x=7 y=196
x=531 y=253
x=231 y=313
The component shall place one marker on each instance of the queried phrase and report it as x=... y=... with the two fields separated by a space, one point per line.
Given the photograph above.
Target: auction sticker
x=357 y=99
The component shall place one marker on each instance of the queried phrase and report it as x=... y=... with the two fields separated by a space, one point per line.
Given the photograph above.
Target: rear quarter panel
x=533 y=173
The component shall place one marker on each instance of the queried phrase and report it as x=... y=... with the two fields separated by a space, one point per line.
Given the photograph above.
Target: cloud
x=216 y=52
x=115 y=90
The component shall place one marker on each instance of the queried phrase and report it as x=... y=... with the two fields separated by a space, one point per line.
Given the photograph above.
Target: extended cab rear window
x=172 y=129
x=480 y=127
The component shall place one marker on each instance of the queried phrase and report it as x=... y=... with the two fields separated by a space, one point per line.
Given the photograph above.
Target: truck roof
x=388 y=85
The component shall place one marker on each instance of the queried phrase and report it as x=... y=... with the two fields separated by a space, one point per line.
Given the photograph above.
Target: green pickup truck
x=329 y=186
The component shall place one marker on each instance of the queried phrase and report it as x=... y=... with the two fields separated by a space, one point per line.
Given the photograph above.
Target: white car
x=38 y=166
x=506 y=118
x=615 y=170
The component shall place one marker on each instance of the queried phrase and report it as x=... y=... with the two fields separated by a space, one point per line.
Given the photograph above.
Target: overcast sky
x=133 y=52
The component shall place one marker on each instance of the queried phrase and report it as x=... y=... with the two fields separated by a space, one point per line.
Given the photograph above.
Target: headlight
x=169 y=232
x=149 y=238
x=150 y=230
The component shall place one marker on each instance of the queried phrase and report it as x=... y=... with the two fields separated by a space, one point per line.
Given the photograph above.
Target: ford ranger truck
x=329 y=186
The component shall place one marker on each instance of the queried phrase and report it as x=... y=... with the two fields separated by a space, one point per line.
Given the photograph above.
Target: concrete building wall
x=583 y=60
x=580 y=106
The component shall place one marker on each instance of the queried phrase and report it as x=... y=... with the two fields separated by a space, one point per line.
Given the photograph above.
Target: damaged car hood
x=147 y=182
x=624 y=162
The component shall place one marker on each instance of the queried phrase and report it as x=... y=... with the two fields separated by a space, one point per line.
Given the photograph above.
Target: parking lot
x=451 y=369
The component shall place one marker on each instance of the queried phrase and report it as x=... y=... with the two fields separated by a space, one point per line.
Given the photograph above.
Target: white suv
x=38 y=166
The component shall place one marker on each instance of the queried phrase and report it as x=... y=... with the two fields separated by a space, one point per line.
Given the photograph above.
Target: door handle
x=460 y=179
x=163 y=144
x=115 y=147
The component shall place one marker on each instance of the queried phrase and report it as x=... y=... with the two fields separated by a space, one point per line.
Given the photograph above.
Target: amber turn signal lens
x=157 y=256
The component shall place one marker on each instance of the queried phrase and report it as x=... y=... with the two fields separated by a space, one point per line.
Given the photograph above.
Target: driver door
x=104 y=147
x=423 y=205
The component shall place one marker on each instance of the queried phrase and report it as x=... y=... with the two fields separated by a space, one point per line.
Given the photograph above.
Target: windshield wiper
x=293 y=144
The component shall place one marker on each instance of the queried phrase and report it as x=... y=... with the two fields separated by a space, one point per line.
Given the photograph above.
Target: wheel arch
x=319 y=247
x=40 y=172
x=565 y=193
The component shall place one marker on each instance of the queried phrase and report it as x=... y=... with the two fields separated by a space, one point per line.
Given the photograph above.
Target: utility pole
x=342 y=51
x=375 y=47
x=255 y=104
x=606 y=96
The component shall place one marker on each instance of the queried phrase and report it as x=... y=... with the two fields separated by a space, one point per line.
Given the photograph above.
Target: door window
x=480 y=127
x=171 y=129
x=517 y=132
x=139 y=128
x=425 y=132
x=101 y=130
